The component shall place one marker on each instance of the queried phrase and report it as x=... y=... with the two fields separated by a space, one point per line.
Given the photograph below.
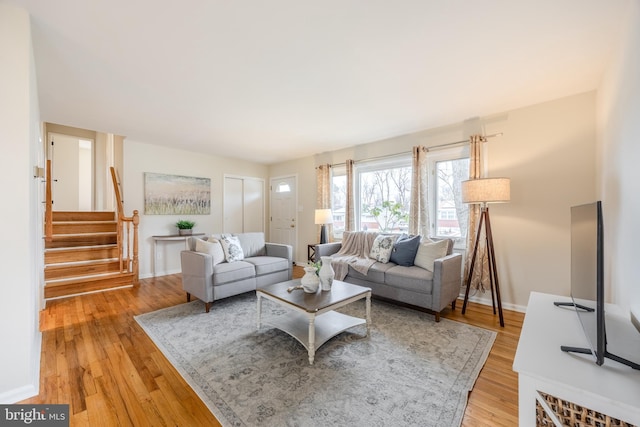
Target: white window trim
x=433 y=157
x=392 y=162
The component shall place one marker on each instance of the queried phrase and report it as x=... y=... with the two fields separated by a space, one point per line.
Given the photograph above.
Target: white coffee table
x=312 y=319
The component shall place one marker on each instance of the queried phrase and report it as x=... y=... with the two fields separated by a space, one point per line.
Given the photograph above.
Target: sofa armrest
x=279 y=250
x=326 y=249
x=447 y=280
x=197 y=272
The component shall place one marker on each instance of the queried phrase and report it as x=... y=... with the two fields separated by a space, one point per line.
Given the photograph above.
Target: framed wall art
x=176 y=195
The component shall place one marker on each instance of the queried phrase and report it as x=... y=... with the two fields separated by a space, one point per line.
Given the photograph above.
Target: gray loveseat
x=408 y=284
x=207 y=275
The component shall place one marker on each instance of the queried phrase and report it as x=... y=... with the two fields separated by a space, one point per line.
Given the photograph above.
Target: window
x=383 y=194
x=338 y=199
x=449 y=216
x=283 y=187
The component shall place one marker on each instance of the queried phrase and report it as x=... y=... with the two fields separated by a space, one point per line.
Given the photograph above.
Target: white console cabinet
x=557 y=387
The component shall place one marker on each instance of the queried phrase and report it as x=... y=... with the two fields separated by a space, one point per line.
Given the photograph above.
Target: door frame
x=50 y=144
x=295 y=210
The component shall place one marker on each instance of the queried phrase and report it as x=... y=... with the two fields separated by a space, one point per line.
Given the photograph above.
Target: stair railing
x=127 y=235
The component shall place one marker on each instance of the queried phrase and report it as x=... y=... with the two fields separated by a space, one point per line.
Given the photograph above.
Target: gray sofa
x=409 y=285
x=209 y=278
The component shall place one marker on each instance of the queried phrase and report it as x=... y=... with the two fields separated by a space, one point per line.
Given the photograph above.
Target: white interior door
x=72 y=172
x=253 y=204
x=243 y=204
x=233 y=205
x=284 y=218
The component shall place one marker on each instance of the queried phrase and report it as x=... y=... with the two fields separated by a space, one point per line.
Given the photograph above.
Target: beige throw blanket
x=356 y=246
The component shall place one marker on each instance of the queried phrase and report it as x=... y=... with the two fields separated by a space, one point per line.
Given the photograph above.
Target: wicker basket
x=572 y=415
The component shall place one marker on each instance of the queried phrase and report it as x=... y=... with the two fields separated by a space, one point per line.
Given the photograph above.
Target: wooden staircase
x=82 y=255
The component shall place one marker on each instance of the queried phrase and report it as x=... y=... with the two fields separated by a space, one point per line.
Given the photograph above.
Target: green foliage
x=315 y=265
x=184 y=224
x=388 y=215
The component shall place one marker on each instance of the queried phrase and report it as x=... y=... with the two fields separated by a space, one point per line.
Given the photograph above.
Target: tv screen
x=587 y=285
x=587 y=281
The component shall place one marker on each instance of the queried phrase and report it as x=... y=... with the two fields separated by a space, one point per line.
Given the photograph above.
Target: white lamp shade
x=486 y=190
x=324 y=216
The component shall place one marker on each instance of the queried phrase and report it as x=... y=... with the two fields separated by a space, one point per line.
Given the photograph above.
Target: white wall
x=21 y=251
x=548 y=151
x=140 y=157
x=619 y=120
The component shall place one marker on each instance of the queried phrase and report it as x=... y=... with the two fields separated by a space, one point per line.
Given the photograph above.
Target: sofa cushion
x=382 y=247
x=404 y=250
x=232 y=248
x=374 y=274
x=211 y=247
x=252 y=244
x=268 y=264
x=230 y=272
x=429 y=251
x=412 y=278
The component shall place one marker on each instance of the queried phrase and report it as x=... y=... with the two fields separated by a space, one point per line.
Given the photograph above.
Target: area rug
x=410 y=370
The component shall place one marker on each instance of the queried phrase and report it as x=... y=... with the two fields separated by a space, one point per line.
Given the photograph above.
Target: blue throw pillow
x=404 y=251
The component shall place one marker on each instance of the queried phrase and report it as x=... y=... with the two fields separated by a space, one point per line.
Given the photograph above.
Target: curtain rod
x=447 y=144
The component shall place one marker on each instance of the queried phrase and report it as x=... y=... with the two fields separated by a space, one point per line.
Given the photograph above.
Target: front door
x=283 y=228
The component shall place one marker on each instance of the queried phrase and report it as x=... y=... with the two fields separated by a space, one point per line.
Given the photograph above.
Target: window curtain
x=419 y=209
x=480 y=277
x=323 y=195
x=350 y=217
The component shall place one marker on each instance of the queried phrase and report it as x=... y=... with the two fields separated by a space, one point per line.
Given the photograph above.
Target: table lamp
x=323 y=217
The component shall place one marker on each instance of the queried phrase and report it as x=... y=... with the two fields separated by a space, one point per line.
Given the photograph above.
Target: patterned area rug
x=409 y=371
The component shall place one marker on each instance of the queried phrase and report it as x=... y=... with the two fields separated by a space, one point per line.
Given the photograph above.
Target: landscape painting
x=176 y=195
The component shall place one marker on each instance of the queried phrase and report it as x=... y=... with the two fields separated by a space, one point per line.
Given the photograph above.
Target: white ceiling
x=274 y=80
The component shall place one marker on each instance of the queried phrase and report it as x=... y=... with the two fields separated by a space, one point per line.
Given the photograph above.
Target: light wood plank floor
x=96 y=358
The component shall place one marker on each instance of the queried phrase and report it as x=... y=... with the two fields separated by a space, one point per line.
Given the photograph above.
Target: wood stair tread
x=82 y=268
x=86 y=279
x=77 y=286
x=82 y=254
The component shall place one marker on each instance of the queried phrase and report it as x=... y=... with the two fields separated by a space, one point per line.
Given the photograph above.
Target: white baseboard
x=16 y=395
x=486 y=300
x=159 y=273
x=28 y=390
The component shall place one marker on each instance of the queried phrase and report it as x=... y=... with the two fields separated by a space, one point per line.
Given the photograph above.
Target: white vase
x=310 y=281
x=326 y=273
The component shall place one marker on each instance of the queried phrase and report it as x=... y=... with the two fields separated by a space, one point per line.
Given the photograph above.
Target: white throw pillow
x=382 y=247
x=429 y=251
x=211 y=247
x=231 y=247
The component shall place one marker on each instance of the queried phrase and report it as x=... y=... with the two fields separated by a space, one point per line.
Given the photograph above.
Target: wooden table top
x=311 y=303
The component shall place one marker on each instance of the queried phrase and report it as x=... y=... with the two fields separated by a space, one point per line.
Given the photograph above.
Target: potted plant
x=185 y=227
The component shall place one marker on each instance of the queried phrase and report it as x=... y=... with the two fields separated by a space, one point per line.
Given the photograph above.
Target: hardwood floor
x=97 y=359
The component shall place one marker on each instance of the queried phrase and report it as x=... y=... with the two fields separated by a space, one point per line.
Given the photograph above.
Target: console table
x=554 y=385
x=169 y=238
x=311 y=252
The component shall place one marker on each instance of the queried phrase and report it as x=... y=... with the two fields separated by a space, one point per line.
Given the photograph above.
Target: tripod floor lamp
x=484 y=191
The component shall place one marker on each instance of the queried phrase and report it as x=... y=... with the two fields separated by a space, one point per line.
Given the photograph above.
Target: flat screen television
x=587 y=281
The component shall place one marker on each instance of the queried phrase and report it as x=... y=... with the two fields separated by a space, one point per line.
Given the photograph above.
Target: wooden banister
x=127 y=234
